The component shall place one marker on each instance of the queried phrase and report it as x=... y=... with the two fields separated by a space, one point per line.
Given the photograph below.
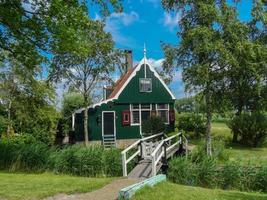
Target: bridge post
x=124 y=165
x=141 y=151
x=164 y=159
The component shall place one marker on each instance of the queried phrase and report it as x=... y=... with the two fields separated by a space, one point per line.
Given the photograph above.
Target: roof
x=124 y=80
x=118 y=85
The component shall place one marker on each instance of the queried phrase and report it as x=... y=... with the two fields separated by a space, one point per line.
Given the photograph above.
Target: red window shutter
x=126 y=118
x=172 y=115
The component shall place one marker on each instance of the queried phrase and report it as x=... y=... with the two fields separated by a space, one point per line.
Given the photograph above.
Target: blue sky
x=145 y=21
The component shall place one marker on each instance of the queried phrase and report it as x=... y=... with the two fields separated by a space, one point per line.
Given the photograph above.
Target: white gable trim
x=143 y=61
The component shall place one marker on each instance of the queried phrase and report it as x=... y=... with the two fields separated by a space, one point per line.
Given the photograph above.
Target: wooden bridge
x=151 y=153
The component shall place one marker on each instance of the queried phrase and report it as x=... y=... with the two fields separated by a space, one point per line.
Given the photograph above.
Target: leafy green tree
x=88 y=64
x=32 y=32
x=245 y=60
x=197 y=52
x=71 y=102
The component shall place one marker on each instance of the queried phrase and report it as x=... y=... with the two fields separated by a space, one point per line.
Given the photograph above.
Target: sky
x=145 y=21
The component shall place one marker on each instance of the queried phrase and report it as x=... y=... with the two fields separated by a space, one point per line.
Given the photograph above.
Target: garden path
x=108 y=192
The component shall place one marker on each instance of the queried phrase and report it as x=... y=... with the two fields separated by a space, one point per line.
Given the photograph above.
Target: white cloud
x=123 y=18
x=156 y=63
x=170 y=20
x=116 y=22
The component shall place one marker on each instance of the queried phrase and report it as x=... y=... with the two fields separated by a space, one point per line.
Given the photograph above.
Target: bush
x=19 y=155
x=182 y=171
x=206 y=172
x=191 y=123
x=153 y=125
x=86 y=161
x=251 y=128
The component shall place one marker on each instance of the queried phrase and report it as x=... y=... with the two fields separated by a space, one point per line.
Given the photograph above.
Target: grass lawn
x=171 y=191
x=247 y=155
x=236 y=152
x=21 y=186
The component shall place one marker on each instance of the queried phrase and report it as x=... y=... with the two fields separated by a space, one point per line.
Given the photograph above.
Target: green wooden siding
x=131 y=92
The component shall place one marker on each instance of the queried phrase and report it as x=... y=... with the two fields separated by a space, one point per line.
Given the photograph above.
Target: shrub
x=112 y=162
x=86 y=161
x=207 y=173
x=182 y=171
x=18 y=155
x=251 y=128
x=229 y=176
x=191 y=123
x=23 y=155
x=260 y=179
x=153 y=125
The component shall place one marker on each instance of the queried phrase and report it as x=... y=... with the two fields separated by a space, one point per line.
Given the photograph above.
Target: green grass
x=220 y=130
x=21 y=186
x=171 y=191
x=239 y=153
x=246 y=155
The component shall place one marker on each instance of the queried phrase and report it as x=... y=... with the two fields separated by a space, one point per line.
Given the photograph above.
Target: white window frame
x=140 y=85
x=140 y=109
x=131 y=111
x=164 y=109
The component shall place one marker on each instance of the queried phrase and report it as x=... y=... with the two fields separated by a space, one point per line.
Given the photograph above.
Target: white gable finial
x=144 y=50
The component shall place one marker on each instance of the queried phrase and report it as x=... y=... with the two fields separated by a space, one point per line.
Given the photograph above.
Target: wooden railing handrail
x=161 y=145
x=125 y=161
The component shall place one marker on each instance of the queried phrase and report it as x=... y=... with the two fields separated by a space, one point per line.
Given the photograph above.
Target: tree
x=29 y=103
x=32 y=32
x=29 y=29
x=85 y=68
x=197 y=52
x=246 y=63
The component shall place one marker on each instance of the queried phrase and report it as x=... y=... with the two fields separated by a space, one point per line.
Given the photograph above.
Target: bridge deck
x=144 y=168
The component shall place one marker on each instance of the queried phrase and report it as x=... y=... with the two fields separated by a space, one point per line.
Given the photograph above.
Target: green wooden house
x=118 y=118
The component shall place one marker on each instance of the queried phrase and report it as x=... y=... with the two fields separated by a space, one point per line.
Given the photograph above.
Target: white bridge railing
x=154 y=151
x=164 y=148
x=141 y=150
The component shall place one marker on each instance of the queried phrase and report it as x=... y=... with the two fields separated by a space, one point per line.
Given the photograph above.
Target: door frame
x=114 y=115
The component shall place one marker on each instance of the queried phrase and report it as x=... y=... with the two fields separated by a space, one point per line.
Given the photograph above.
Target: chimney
x=128 y=60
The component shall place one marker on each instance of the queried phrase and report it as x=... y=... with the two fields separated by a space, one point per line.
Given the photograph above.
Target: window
x=172 y=115
x=139 y=110
x=145 y=106
x=145 y=85
x=164 y=115
x=163 y=112
x=135 y=117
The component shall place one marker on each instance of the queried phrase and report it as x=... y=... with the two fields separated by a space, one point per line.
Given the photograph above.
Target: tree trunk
x=9 y=119
x=85 y=127
x=208 y=122
x=235 y=133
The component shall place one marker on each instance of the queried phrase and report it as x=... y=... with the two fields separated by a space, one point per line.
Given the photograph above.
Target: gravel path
x=108 y=192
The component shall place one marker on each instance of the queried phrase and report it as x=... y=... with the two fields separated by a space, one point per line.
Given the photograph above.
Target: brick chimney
x=128 y=60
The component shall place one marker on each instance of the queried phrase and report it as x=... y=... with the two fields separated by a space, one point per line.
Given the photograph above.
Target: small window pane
x=135 y=117
x=164 y=115
x=162 y=106
x=135 y=106
x=145 y=106
x=145 y=84
x=126 y=117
